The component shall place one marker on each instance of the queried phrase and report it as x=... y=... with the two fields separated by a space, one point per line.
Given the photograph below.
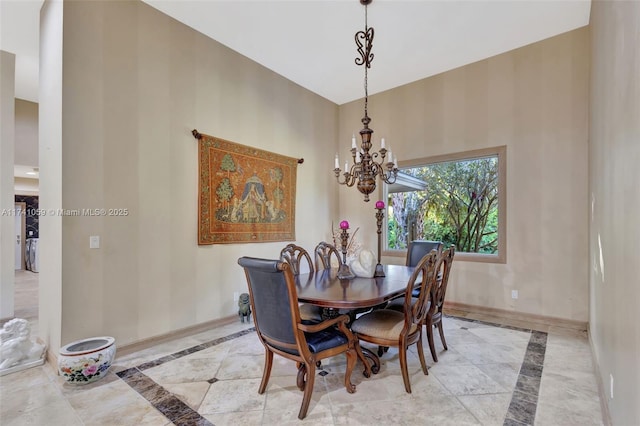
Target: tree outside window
x=454 y=199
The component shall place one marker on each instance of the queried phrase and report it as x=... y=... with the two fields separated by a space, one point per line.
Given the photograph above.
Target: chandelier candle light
x=344 y=272
x=379 y=216
x=365 y=169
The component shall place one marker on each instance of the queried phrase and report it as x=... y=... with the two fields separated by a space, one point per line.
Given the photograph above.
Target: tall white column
x=50 y=157
x=7 y=221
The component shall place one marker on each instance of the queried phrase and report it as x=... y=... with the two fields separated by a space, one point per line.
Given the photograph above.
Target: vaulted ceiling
x=311 y=42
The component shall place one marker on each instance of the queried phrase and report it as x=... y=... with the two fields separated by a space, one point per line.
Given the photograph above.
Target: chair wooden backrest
x=439 y=290
x=323 y=254
x=294 y=255
x=423 y=278
x=418 y=248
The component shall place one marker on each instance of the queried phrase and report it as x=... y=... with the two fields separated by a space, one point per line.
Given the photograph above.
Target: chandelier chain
x=367 y=62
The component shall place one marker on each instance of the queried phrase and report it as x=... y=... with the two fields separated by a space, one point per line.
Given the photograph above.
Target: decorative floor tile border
x=168 y=404
x=524 y=401
x=164 y=401
x=522 y=408
x=492 y=324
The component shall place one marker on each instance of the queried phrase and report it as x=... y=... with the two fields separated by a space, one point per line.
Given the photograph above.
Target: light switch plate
x=94 y=241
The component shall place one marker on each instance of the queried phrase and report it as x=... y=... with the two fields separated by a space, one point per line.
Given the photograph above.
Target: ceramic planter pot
x=85 y=361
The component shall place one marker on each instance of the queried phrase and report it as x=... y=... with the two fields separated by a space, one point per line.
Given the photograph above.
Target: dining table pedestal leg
x=370 y=360
x=330 y=313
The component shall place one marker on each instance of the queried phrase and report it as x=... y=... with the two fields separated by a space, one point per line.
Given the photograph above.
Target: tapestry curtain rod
x=198 y=136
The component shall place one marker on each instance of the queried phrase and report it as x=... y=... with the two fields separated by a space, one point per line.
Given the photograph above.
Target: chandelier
x=366 y=167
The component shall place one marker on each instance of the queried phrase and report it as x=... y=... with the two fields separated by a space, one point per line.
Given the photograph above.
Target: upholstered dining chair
x=418 y=248
x=436 y=299
x=438 y=292
x=390 y=328
x=297 y=257
x=274 y=301
x=415 y=252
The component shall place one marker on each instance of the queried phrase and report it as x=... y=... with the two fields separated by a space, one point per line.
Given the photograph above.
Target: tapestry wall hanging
x=246 y=195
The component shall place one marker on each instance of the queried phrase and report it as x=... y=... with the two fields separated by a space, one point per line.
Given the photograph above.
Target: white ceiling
x=311 y=42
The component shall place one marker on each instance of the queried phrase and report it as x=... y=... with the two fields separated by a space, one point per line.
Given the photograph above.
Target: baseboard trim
x=538 y=322
x=604 y=397
x=52 y=360
x=52 y=357
x=177 y=334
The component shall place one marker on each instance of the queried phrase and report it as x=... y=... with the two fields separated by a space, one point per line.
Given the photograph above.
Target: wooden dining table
x=323 y=288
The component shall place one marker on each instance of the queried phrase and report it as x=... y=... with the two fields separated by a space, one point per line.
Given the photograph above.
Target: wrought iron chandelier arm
x=382 y=154
x=390 y=176
x=348 y=177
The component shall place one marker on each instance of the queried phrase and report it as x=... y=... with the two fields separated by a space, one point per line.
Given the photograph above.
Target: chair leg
x=367 y=367
x=352 y=357
x=432 y=345
x=268 y=362
x=404 y=367
x=308 y=389
x=423 y=363
x=302 y=370
x=444 y=342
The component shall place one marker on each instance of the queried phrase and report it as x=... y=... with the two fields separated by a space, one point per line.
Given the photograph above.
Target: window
x=457 y=199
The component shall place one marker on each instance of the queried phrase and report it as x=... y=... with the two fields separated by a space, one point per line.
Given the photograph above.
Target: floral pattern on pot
x=86 y=367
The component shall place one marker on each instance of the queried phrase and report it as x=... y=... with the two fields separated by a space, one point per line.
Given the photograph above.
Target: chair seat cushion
x=382 y=324
x=320 y=341
x=325 y=339
x=310 y=312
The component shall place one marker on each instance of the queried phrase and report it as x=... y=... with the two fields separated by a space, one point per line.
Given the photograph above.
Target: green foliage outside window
x=459 y=205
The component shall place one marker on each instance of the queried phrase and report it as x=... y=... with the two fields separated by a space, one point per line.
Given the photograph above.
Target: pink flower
x=90 y=370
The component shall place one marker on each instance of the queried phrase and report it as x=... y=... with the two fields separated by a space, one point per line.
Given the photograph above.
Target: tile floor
x=491 y=375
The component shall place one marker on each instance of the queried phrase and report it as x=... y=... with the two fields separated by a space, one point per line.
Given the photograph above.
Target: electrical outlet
x=611 y=385
x=94 y=241
x=236 y=296
x=514 y=294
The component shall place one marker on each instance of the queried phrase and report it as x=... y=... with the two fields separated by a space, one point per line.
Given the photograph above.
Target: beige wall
x=534 y=100
x=128 y=111
x=26 y=140
x=615 y=203
x=135 y=83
